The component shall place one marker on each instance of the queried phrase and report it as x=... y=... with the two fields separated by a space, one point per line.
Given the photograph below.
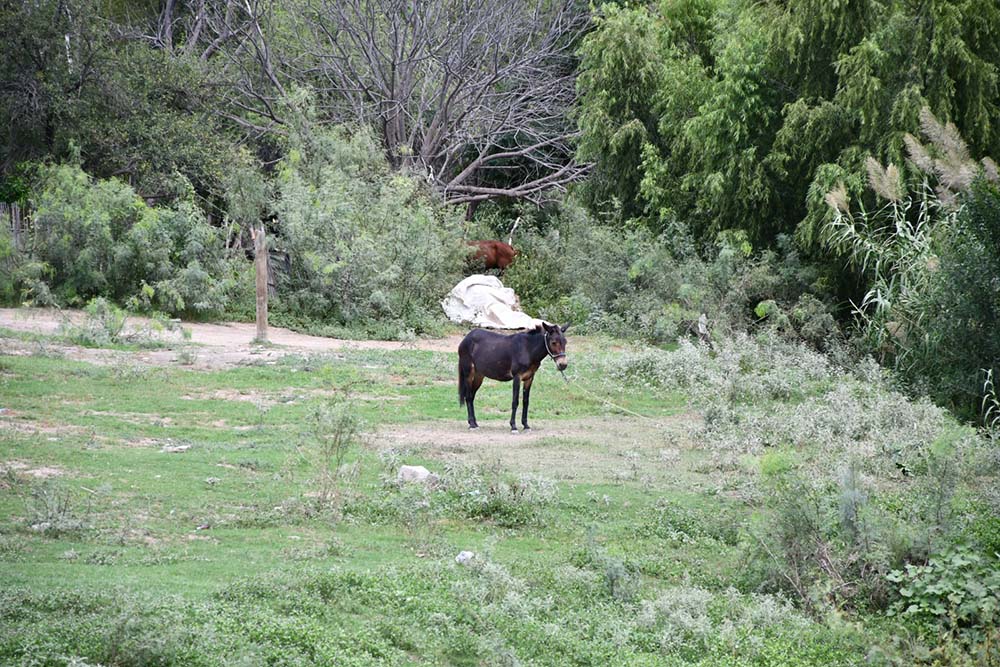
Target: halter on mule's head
x=555 y=343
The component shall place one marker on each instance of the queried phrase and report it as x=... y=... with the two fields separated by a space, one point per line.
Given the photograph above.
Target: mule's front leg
x=513 y=405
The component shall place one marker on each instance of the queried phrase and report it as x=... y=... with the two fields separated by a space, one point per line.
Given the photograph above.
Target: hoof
x=514 y=431
x=526 y=428
x=473 y=427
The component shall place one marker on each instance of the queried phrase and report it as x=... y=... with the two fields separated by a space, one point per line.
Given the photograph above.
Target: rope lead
x=608 y=403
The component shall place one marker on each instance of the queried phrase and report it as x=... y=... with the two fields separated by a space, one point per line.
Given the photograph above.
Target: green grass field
x=164 y=515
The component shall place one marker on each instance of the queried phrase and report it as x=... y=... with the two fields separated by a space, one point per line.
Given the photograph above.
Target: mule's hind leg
x=475 y=381
x=524 y=408
x=513 y=405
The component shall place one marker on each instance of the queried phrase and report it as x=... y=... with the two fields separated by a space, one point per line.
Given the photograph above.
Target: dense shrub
x=97 y=238
x=929 y=259
x=367 y=245
x=962 y=306
x=8 y=266
x=630 y=281
x=101 y=628
x=77 y=223
x=176 y=259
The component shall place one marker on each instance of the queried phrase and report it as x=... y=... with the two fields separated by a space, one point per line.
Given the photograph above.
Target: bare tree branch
x=475 y=94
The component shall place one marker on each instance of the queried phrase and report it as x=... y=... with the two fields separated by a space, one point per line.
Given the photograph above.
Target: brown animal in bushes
x=492 y=254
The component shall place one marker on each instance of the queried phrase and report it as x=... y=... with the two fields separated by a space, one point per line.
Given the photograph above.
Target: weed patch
x=508 y=500
x=54 y=510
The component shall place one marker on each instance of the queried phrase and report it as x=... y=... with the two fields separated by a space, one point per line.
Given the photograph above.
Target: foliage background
x=752 y=160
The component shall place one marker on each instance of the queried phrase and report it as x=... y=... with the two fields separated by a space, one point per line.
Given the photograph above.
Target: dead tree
x=473 y=94
x=233 y=34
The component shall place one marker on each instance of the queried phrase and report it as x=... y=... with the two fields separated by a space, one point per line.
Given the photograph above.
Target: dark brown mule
x=487 y=354
x=493 y=254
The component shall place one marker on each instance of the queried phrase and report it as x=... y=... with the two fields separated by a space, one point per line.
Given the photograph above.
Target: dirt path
x=209 y=345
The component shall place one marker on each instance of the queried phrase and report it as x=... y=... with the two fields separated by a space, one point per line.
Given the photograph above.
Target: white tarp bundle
x=483 y=301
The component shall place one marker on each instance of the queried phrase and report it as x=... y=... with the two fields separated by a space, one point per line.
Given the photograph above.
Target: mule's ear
x=548 y=327
x=565 y=327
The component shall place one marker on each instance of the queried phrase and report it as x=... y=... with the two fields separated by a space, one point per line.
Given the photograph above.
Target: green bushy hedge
x=96 y=238
x=632 y=282
x=368 y=246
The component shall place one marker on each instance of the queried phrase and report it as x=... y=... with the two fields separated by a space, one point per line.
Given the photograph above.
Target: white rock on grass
x=415 y=474
x=464 y=557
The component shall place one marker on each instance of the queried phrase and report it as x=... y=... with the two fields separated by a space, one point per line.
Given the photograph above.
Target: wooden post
x=15 y=223
x=260 y=266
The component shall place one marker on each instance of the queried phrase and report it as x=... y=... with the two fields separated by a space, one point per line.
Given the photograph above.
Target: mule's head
x=555 y=343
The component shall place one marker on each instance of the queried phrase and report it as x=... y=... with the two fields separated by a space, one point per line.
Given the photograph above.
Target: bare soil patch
x=259 y=398
x=29 y=470
x=289 y=397
x=11 y=421
x=137 y=418
x=588 y=449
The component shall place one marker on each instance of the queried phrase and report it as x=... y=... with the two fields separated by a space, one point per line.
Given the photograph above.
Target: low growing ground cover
x=748 y=507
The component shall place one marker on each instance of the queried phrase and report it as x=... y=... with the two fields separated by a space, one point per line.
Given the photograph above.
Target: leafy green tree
x=620 y=75
x=632 y=109
x=85 y=78
x=745 y=114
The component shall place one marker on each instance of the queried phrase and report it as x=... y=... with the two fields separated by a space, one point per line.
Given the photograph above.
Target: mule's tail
x=464 y=369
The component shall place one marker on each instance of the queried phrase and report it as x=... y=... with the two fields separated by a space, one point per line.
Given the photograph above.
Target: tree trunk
x=260 y=265
x=470 y=209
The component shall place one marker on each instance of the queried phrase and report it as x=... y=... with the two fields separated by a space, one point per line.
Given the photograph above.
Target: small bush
x=957 y=592
x=104 y=325
x=985 y=527
x=487 y=493
x=335 y=432
x=677 y=524
x=621 y=581
x=691 y=622
x=54 y=511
